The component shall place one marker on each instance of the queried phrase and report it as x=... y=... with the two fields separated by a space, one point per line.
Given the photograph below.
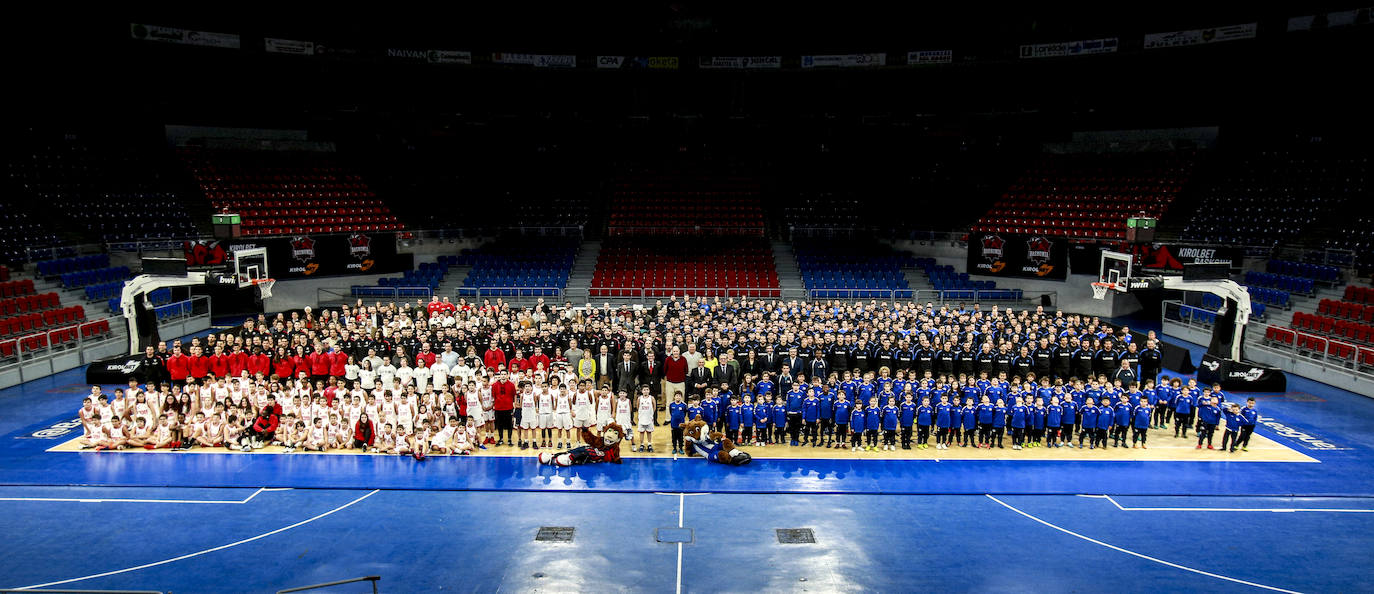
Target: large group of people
x=454 y=378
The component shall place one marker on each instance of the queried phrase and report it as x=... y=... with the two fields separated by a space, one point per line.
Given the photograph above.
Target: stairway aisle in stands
x=584 y=267
x=789 y=273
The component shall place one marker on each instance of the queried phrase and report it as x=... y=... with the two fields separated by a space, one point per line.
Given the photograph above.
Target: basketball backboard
x=1116 y=269
x=250 y=264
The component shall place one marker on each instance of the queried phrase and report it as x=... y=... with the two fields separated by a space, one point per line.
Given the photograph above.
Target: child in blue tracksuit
x=925 y=418
x=999 y=423
x=1121 y=421
x=763 y=412
x=694 y=409
x=1066 y=421
x=724 y=398
x=1054 y=418
x=811 y=416
x=907 y=418
x=677 y=415
x=873 y=422
x=746 y=428
x=944 y=419
x=890 y=420
x=1143 y=416
x=1234 y=421
x=1017 y=416
x=857 y=424
x=1183 y=411
x=842 y=409
x=1106 y=416
x=1088 y=427
x=779 y=420
x=1249 y=418
x=1208 y=417
x=827 y=416
x=970 y=417
x=710 y=412
x=734 y=420
x=985 y=412
x=1037 y=423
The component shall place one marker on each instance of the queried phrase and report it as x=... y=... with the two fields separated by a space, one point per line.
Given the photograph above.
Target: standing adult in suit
x=699 y=379
x=626 y=374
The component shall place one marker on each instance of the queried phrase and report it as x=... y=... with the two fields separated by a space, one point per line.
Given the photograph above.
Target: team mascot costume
x=713 y=445
x=599 y=448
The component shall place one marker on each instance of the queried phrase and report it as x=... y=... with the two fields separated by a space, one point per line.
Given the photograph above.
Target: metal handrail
x=370 y=578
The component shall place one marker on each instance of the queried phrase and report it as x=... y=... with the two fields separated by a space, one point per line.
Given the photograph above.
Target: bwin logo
x=1212 y=365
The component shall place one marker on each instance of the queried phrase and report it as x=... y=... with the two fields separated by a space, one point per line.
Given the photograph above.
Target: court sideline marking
x=1140 y=555
x=203 y=552
x=1233 y=509
x=86 y=500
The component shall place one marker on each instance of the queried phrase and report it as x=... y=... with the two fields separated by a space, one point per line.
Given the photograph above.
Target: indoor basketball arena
x=675 y=297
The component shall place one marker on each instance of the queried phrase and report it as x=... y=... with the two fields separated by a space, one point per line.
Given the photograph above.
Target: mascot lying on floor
x=602 y=448
x=712 y=445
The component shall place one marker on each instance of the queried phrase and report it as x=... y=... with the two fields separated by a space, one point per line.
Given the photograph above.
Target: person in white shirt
x=386 y=373
x=405 y=373
x=421 y=376
x=367 y=378
x=646 y=410
x=622 y=416
x=562 y=415
x=529 y=418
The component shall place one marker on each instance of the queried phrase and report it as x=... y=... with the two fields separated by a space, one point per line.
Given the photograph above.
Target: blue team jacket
x=677 y=414
x=856 y=420
x=811 y=409
x=1143 y=415
x=762 y=414
x=890 y=413
x=925 y=416
x=842 y=409
x=944 y=415
x=1018 y=416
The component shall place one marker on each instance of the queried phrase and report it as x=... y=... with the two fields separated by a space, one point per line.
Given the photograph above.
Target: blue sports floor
x=240 y=523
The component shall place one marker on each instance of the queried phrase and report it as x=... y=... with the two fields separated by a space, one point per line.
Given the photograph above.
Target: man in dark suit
x=770 y=361
x=626 y=373
x=794 y=362
x=727 y=372
x=699 y=379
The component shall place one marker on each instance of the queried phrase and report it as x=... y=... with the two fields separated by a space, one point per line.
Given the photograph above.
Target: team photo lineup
x=763 y=373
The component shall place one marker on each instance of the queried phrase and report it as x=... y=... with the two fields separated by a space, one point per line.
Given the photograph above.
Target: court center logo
x=1038 y=254
x=994 y=248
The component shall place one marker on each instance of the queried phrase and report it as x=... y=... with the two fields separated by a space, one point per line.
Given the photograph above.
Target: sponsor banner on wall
x=930 y=57
x=1200 y=36
x=657 y=62
x=1174 y=257
x=1342 y=18
x=288 y=46
x=1026 y=256
x=610 y=61
x=436 y=56
x=738 y=62
x=183 y=36
x=1070 y=48
x=844 y=61
x=407 y=54
x=536 y=60
x=304 y=256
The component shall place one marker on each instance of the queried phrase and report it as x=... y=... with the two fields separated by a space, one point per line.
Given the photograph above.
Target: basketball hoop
x=1100 y=290
x=263 y=287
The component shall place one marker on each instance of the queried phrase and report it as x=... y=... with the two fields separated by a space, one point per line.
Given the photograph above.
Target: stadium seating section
x=51 y=268
x=1271 y=297
x=77 y=280
x=1214 y=303
x=836 y=269
x=1317 y=272
x=1357 y=294
x=1089 y=195
x=1347 y=310
x=1291 y=284
x=20 y=233
x=279 y=193
x=956 y=285
x=420 y=282
x=536 y=267
x=1268 y=196
x=685 y=205
x=157 y=297
x=696 y=268
x=825 y=212
x=1357 y=331
x=105 y=187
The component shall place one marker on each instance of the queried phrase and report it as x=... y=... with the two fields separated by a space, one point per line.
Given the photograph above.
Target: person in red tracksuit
x=259 y=363
x=503 y=402
x=178 y=367
x=426 y=355
x=494 y=358
x=299 y=363
x=283 y=366
x=238 y=361
x=539 y=357
x=219 y=363
x=319 y=363
x=199 y=363
x=338 y=362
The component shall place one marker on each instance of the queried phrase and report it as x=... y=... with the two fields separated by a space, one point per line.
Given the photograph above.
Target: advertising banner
x=289 y=46
x=844 y=61
x=305 y=256
x=1026 y=256
x=183 y=36
x=1240 y=376
x=1173 y=258
x=611 y=62
x=1200 y=36
x=657 y=62
x=449 y=57
x=738 y=62
x=1070 y=48
x=536 y=60
x=929 y=57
